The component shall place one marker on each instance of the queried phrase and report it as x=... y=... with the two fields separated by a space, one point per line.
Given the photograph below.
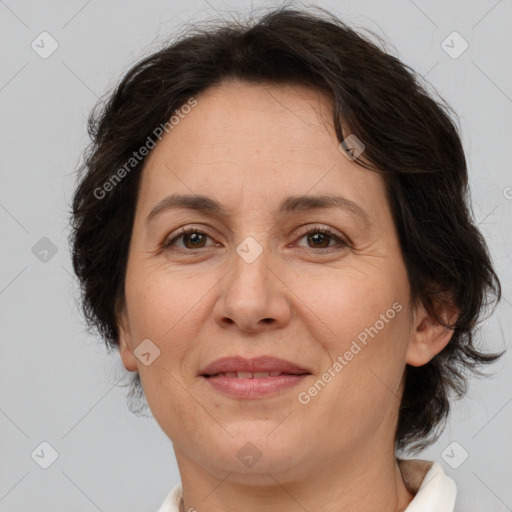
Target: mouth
x=251 y=375
x=248 y=368
x=261 y=377
x=249 y=385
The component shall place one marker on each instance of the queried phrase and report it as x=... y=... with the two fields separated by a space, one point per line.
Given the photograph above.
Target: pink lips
x=252 y=378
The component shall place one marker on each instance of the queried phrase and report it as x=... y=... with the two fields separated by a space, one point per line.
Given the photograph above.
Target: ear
x=429 y=337
x=125 y=339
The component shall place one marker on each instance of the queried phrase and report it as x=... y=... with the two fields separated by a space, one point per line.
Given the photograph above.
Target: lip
x=256 y=364
x=258 y=387
x=253 y=388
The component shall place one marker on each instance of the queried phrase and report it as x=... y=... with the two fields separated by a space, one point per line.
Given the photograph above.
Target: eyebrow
x=288 y=205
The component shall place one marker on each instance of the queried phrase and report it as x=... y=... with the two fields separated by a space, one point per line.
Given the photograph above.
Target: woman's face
x=250 y=282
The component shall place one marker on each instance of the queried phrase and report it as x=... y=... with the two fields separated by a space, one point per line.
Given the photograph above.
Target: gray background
x=58 y=383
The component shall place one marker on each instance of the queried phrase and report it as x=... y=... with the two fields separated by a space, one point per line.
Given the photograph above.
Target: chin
x=259 y=455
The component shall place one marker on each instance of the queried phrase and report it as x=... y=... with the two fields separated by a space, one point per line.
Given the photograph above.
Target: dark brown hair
x=409 y=137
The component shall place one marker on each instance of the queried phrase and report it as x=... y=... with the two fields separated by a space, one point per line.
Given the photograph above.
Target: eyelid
x=184 y=230
x=322 y=228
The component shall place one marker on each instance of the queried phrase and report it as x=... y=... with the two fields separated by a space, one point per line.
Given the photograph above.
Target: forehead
x=245 y=118
x=259 y=141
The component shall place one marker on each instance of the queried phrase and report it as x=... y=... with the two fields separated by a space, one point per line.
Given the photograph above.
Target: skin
x=248 y=146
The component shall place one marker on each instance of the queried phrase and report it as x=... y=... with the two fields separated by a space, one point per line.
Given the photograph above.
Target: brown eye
x=195 y=239
x=191 y=239
x=320 y=238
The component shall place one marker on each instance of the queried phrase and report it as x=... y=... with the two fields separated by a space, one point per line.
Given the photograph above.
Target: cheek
x=164 y=302
x=164 y=308
x=341 y=305
x=362 y=319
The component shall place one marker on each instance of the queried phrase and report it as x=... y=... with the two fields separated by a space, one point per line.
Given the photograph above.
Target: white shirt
x=433 y=490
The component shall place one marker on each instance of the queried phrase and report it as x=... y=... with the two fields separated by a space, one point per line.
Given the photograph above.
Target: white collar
x=433 y=490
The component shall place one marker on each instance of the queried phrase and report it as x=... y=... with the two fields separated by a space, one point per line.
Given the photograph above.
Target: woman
x=273 y=228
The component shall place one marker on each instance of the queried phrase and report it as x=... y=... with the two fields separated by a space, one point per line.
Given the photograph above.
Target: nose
x=253 y=296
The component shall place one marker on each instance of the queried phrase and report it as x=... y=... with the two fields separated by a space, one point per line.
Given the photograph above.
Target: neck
x=356 y=483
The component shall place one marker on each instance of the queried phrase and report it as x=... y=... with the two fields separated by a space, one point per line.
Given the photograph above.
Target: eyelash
x=312 y=230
